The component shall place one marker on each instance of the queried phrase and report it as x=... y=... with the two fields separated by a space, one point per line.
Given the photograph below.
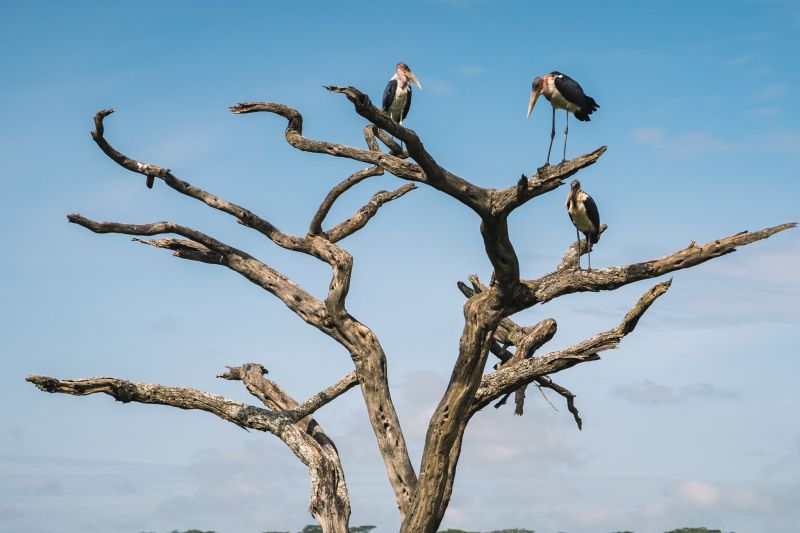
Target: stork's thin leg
x=578 y=236
x=552 y=135
x=402 y=147
x=566 y=134
x=589 y=251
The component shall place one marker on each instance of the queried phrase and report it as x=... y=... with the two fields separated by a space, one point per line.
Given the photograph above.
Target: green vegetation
x=311 y=528
x=695 y=530
x=366 y=529
x=514 y=530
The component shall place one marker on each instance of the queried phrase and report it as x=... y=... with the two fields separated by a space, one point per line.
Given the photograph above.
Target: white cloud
x=699 y=494
x=747 y=58
x=472 y=70
x=771 y=92
x=648 y=392
x=764 y=112
x=748 y=499
x=437 y=86
x=682 y=145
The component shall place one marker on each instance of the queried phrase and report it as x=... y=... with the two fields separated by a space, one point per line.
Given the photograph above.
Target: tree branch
x=273 y=396
x=363 y=215
x=243 y=415
x=294 y=136
x=575 y=251
x=563 y=282
x=185 y=249
x=244 y=216
x=330 y=502
x=434 y=175
x=507 y=379
x=326 y=396
x=545 y=381
x=146 y=169
x=292 y=295
x=508 y=332
x=547 y=178
x=322 y=211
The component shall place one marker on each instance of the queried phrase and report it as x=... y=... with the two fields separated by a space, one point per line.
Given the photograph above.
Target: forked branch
x=563 y=281
x=329 y=502
x=507 y=379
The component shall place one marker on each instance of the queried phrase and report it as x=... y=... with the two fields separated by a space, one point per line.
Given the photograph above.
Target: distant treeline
x=365 y=529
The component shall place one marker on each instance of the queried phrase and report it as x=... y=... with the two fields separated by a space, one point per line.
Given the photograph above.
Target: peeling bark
x=488 y=328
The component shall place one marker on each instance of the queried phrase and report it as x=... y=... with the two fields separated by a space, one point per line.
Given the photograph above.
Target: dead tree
x=422 y=495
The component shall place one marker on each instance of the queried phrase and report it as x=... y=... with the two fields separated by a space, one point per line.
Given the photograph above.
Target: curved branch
x=146 y=169
x=435 y=175
x=244 y=216
x=575 y=251
x=563 y=282
x=330 y=502
x=547 y=178
x=508 y=332
x=363 y=215
x=545 y=381
x=185 y=249
x=294 y=136
x=322 y=211
x=507 y=379
x=243 y=415
x=292 y=295
x=326 y=396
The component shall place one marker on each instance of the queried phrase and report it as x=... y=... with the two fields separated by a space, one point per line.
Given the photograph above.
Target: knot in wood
x=48 y=384
x=125 y=393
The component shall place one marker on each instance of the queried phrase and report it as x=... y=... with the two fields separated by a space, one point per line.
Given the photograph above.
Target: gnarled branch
x=563 y=281
x=329 y=503
x=294 y=136
x=363 y=215
x=507 y=379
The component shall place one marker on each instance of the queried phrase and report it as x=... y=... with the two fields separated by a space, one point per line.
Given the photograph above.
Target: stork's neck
x=402 y=79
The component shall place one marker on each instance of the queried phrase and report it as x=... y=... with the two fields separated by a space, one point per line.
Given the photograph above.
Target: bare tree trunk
x=488 y=328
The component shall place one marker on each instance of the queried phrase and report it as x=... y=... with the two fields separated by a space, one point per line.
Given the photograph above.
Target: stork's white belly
x=577 y=212
x=399 y=103
x=558 y=100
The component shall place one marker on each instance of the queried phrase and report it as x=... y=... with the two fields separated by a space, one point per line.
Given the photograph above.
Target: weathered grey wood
x=330 y=501
x=422 y=500
x=564 y=281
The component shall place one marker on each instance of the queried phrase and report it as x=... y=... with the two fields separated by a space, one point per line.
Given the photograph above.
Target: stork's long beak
x=534 y=96
x=413 y=78
x=569 y=197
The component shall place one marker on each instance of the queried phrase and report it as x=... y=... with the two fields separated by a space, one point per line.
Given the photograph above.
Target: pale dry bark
x=422 y=501
x=284 y=418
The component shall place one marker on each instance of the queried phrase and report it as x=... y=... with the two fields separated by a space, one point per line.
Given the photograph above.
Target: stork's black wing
x=408 y=103
x=594 y=217
x=573 y=92
x=388 y=95
x=569 y=88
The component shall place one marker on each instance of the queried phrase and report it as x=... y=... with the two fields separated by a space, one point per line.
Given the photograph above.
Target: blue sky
x=690 y=422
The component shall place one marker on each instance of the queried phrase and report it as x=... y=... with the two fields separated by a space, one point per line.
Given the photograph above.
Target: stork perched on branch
x=563 y=93
x=586 y=218
x=397 y=95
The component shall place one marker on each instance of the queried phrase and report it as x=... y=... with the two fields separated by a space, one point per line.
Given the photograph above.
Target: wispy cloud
x=746 y=58
x=684 y=144
x=471 y=70
x=771 y=92
x=437 y=86
x=699 y=494
x=764 y=112
x=649 y=392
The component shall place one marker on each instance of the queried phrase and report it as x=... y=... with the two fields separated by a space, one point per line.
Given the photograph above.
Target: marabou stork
x=563 y=93
x=585 y=216
x=397 y=95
